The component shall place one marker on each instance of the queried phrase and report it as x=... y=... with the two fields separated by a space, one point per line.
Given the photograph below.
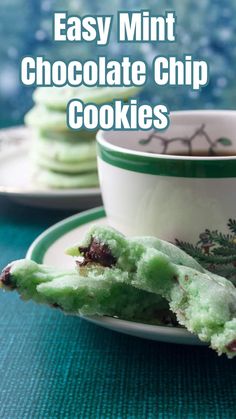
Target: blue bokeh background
x=206 y=29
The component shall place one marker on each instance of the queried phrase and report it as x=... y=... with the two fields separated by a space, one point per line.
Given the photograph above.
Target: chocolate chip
x=97 y=252
x=186 y=277
x=5 y=277
x=232 y=346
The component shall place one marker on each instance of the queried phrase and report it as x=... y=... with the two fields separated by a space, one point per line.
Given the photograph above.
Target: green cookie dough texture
x=204 y=303
x=65 y=152
x=100 y=295
x=40 y=117
x=57 y=98
x=55 y=180
x=89 y=165
x=68 y=135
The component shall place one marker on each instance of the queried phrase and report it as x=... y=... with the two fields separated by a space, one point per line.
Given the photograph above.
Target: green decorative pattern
x=163 y=166
x=215 y=251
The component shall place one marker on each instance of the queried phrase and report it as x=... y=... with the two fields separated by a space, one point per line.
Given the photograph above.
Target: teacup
x=178 y=185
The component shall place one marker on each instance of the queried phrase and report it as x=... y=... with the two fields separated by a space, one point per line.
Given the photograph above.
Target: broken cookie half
x=100 y=294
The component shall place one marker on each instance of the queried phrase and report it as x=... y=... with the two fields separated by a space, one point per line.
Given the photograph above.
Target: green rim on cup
x=153 y=165
x=131 y=152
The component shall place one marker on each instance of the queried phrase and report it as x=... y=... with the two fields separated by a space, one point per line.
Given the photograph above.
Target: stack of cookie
x=64 y=158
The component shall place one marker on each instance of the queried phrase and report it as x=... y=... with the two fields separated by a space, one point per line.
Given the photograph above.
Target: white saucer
x=16 y=182
x=49 y=248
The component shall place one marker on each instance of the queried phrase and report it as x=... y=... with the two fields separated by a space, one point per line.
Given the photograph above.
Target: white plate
x=49 y=248
x=16 y=182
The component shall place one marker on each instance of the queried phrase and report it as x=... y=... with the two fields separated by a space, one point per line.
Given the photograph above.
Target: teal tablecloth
x=53 y=366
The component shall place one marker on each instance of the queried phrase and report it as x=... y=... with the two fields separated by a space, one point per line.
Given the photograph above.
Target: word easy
x=87 y=28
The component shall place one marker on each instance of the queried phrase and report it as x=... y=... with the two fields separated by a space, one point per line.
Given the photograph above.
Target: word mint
x=132 y=27
x=144 y=27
